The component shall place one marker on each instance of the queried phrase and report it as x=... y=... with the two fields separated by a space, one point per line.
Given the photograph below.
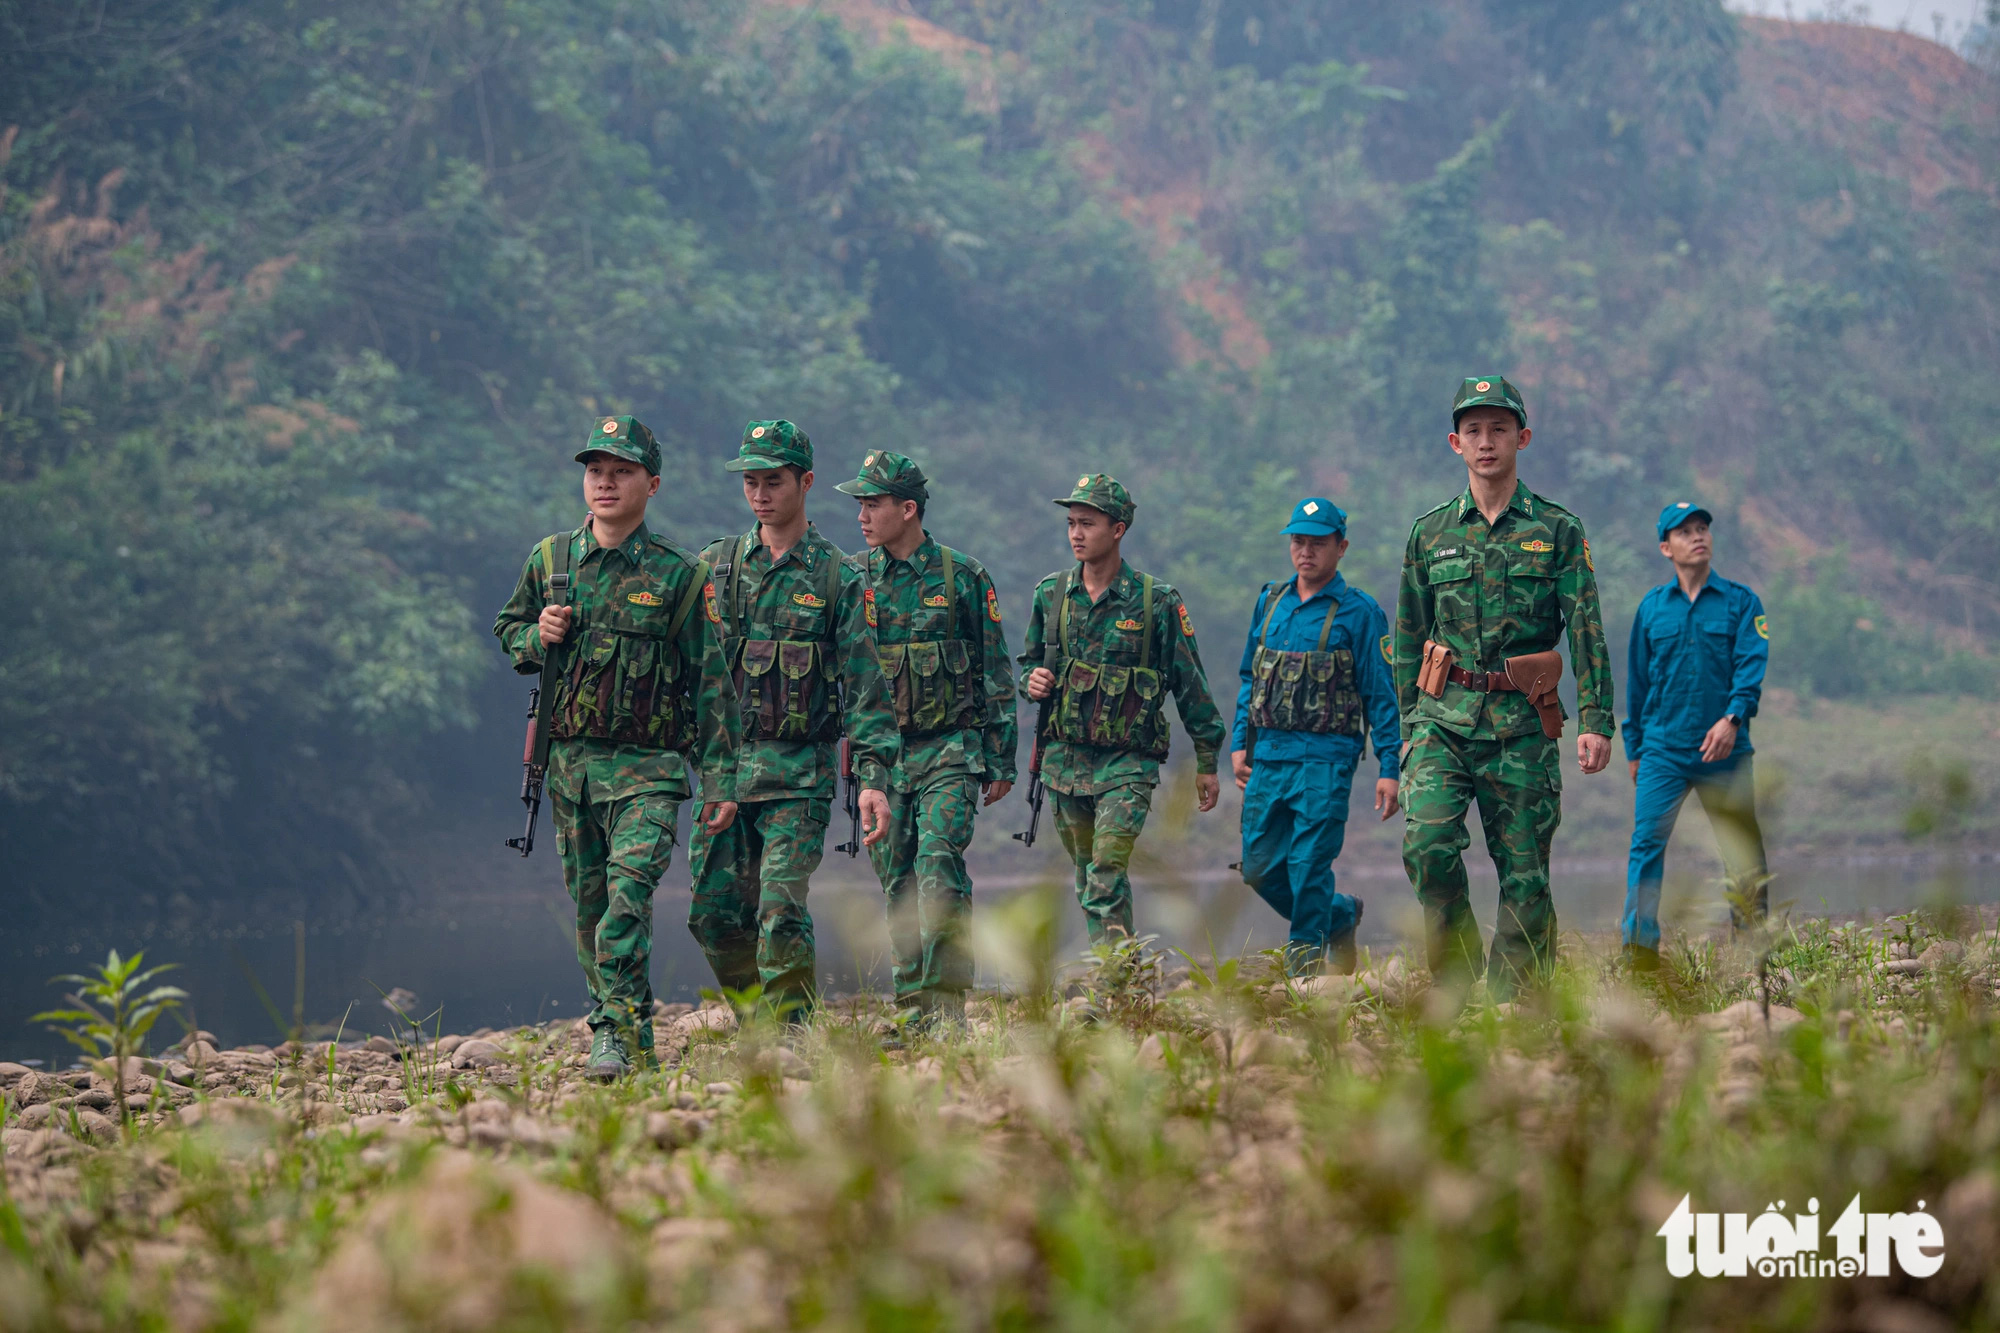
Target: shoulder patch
x=1763 y=624
x=1389 y=649
x=645 y=599
x=993 y=605
x=708 y=603
x=1187 y=624
x=868 y=606
x=1588 y=563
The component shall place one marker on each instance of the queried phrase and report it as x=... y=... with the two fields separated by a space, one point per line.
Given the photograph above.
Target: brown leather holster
x=1535 y=675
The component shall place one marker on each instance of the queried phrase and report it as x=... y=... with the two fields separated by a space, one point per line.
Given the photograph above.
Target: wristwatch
x=1734 y=719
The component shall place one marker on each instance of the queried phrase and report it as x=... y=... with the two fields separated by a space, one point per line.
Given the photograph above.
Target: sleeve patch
x=1588 y=563
x=1763 y=627
x=1389 y=649
x=1187 y=624
x=868 y=606
x=708 y=603
x=993 y=605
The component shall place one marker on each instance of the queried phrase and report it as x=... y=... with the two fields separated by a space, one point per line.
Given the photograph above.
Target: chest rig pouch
x=1108 y=703
x=777 y=653
x=932 y=678
x=1313 y=691
x=624 y=679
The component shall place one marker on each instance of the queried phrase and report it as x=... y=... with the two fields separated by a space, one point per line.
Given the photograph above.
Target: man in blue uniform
x=1315 y=678
x=1699 y=646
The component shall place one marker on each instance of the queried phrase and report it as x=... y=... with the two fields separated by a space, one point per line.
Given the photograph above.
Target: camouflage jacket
x=911 y=604
x=751 y=589
x=1491 y=593
x=1108 y=630
x=620 y=595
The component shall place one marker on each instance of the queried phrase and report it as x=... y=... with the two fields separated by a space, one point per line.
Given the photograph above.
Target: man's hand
x=874 y=816
x=554 y=624
x=1207 y=790
x=995 y=791
x=1388 y=799
x=1593 y=752
x=1041 y=682
x=1720 y=742
x=1634 y=767
x=718 y=815
x=1239 y=764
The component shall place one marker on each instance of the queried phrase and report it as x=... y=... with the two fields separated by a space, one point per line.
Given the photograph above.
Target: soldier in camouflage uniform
x=944 y=656
x=798 y=629
x=1109 y=644
x=641 y=694
x=1494 y=573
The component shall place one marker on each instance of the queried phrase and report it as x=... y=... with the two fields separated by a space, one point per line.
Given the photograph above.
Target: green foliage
x=111 y=1011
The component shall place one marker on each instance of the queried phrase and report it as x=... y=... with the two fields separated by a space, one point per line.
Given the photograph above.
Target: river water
x=497 y=950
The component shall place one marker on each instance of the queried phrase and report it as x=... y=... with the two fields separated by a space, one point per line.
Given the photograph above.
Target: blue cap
x=1679 y=512
x=1316 y=516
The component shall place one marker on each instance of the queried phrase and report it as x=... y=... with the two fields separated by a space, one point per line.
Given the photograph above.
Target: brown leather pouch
x=1537 y=675
x=1436 y=668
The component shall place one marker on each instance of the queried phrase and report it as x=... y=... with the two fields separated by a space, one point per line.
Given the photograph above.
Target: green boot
x=608 y=1060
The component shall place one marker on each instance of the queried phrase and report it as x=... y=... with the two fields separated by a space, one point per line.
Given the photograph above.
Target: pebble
x=475 y=1053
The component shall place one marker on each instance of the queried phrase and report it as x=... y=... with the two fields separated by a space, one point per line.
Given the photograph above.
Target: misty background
x=304 y=308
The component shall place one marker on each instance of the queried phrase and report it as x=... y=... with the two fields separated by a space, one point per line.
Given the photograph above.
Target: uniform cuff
x=1598 y=722
x=871 y=775
x=719 y=786
x=1204 y=762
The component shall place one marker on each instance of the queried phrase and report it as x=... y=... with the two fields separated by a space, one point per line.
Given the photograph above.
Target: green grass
x=1150 y=1145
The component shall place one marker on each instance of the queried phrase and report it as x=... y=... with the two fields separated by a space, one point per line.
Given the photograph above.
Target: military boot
x=608 y=1060
x=1341 y=953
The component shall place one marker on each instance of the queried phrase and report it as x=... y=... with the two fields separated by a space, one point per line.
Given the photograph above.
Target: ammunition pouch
x=934 y=682
x=1313 y=691
x=1108 y=704
x=779 y=659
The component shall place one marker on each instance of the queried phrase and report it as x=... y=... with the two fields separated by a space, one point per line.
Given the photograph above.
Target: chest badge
x=1537 y=546
x=645 y=599
x=938 y=599
x=867 y=606
x=993 y=605
x=1128 y=624
x=813 y=600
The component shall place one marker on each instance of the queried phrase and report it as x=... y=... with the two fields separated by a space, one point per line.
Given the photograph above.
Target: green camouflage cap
x=768 y=444
x=884 y=473
x=626 y=438
x=1488 y=391
x=1104 y=493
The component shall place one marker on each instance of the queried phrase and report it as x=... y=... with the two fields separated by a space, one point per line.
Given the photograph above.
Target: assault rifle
x=850 y=799
x=1036 y=792
x=541 y=701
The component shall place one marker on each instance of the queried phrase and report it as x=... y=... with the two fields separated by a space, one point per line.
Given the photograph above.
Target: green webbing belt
x=1271 y=609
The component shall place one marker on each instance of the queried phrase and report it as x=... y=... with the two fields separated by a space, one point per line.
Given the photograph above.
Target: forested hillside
x=304 y=306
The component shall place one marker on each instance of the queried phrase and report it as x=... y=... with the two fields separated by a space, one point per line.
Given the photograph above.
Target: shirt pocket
x=1531 y=586
x=1454 y=592
x=795 y=622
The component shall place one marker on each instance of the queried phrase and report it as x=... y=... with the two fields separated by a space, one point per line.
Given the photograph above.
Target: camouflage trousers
x=613 y=853
x=1098 y=833
x=749 y=910
x=921 y=864
x=1518 y=785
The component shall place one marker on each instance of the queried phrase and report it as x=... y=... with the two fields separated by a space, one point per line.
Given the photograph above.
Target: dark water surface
x=500 y=953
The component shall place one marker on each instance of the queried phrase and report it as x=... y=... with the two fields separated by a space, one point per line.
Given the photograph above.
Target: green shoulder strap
x=1146 y=619
x=829 y=591
x=743 y=549
x=1326 y=628
x=1273 y=594
x=1063 y=590
x=688 y=599
x=556 y=571
x=950 y=592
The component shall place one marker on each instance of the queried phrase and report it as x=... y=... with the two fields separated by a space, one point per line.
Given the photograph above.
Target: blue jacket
x=1359 y=626
x=1689 y=664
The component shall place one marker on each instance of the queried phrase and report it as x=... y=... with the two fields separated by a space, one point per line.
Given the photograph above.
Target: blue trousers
x=1294 y=822
x=1728 y=795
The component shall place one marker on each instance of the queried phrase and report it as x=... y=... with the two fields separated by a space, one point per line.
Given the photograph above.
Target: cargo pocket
x=795 y=662
x=1321 y=708
x=926 y=698
x=1142 y=712
x=760 y=692
x=958 y=669
x=1531 y=585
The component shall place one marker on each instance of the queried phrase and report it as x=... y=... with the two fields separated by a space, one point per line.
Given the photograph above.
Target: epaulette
x=671 y=546
x=1547 y=503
